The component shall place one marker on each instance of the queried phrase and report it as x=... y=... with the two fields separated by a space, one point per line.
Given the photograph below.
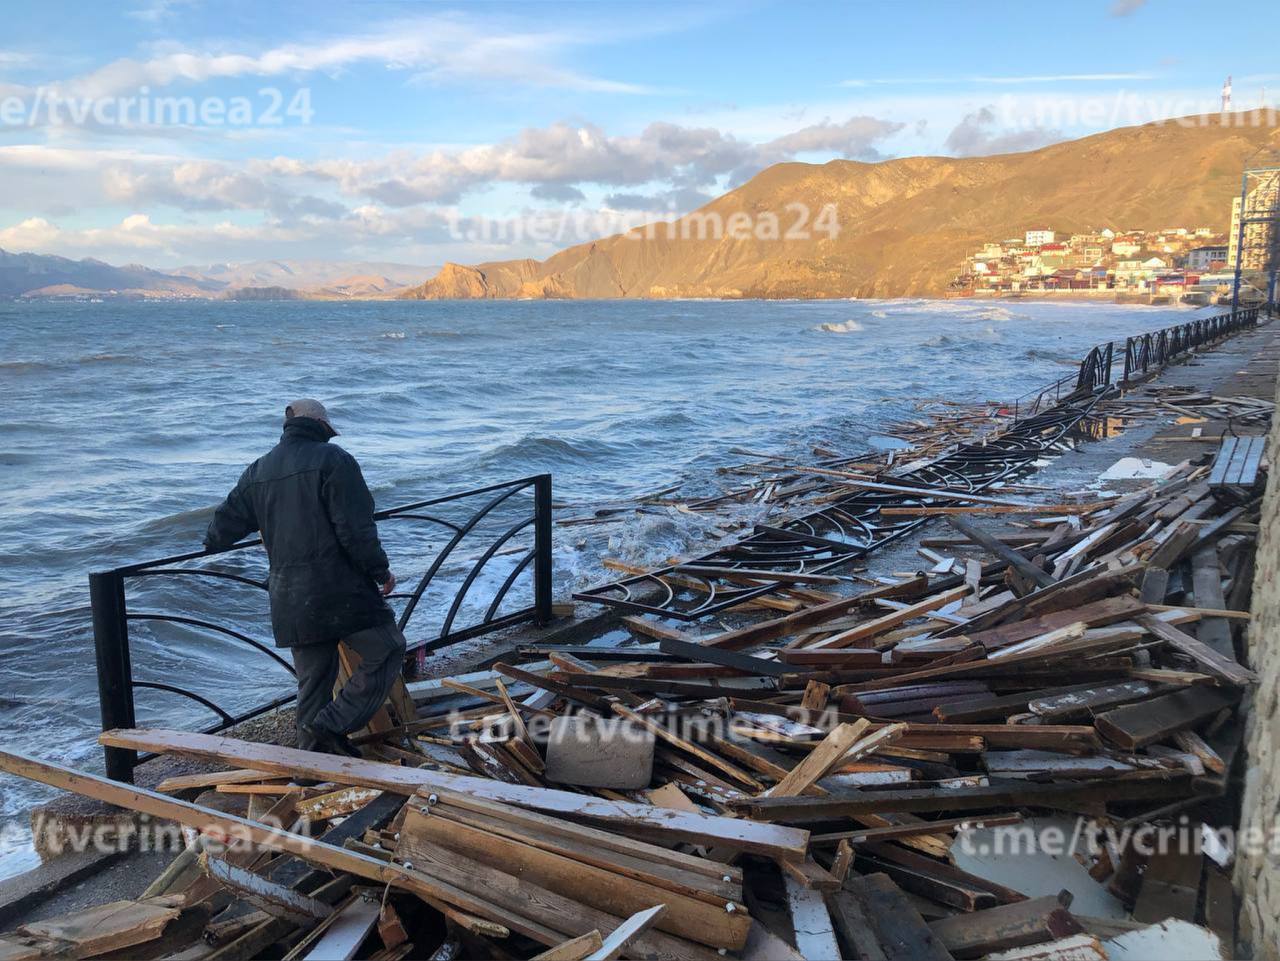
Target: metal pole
x=115 y=673
x=1235 y=287
x=542 y=549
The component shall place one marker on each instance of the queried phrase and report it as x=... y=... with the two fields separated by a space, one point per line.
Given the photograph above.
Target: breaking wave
x=845 y=327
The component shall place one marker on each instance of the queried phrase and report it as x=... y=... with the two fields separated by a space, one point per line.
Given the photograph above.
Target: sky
x=182 y=132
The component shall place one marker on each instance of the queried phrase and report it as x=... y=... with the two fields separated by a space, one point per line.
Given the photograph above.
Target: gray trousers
x=381 y=650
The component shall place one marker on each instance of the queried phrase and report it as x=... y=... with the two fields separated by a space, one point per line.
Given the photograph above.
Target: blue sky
x=421 y=132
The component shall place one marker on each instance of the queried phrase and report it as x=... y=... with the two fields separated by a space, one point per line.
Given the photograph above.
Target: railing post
x=542 y=549
x=115 y=673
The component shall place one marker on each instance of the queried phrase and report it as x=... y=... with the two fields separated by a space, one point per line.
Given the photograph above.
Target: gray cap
x=308 y=407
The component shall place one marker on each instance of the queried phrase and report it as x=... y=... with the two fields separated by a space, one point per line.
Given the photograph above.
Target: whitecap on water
x=846 y=327
x=393 y=335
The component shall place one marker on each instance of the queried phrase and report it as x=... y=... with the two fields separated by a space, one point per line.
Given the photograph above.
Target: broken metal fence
x=1142 y=353
x=787 y=551
x=1152 y=351
x=479 y=551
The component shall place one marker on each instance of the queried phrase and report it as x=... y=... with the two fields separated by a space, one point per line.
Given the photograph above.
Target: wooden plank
x=1217 y=476
x=869 y=629
x=763 y=631
x=343 y=936
x=819 y=761
x=1206 y=584
x=1210 y=660
x=575 y=949
x=275 y=899
x=899 y=928
x=715 y=655
x=104 y=928
x=557 y=830
x=1101 y=613
x=554 y=911
x=1016 y=560
x=1170 y=887
x=209 y=779
x=1060 y=796
x=716 y=925
x=440 y=895
x=1220 y=906
x=1007 y=926
x=614 y=945
x=714 y=891
x=686 y=826
x=855 y=928
x=1138 y=725
x=1087 y=702
x=810 y=920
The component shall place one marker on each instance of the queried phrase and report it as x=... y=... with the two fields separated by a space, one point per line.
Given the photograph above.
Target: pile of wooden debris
x=795 y=787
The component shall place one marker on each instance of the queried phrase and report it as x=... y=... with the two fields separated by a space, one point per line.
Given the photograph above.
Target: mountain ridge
x=905 y=224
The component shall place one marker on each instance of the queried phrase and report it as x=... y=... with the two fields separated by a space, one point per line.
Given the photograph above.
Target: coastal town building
x=1207 y=258
x=1173 y=263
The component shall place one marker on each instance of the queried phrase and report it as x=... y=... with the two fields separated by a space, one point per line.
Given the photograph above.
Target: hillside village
x=1176 y=263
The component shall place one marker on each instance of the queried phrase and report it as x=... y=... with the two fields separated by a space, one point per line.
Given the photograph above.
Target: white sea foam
x=846 y=327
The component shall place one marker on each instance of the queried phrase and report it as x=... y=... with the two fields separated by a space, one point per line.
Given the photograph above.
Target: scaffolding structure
x=1254 y=251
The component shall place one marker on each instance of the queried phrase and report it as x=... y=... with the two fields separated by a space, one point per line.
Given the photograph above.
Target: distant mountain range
x=904 y=226
x=43 y=276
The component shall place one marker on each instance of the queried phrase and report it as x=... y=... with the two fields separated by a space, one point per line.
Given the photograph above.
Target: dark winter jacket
x=311 y=503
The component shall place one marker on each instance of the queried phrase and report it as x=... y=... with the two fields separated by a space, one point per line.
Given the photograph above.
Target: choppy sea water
x=122 y=424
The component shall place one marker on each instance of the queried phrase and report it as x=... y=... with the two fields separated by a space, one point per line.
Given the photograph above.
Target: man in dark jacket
x=328 y=577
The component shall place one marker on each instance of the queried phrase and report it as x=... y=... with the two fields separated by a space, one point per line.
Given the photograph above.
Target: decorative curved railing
x=1153 y=350
x=445 y=605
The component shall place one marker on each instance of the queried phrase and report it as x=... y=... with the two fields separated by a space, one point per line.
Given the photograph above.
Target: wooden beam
x=617 y=941
x=228 y=826
x=274 y=899
x=1066 y=795
x=1007 y=926
x=732 y=833
x=1146 y=722
x=717 y=925
x=1016 y=560
x=575 y=949
x=764 y=631
x=811 y=921
x=870 y=629
x=1210 y=659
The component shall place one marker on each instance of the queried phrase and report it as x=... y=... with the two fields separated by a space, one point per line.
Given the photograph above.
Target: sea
x=122 y=424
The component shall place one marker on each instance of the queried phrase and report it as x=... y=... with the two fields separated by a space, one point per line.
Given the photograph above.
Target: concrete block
x=599 y=752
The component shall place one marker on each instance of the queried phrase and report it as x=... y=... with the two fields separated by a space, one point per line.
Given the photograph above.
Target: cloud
x=975 y=136
x=1123 y=8
x=55 y=178
x=436 y=49
x=659 y=205
x=563 y=193
x=155 y=11
x=570 y=155
x=855 y=137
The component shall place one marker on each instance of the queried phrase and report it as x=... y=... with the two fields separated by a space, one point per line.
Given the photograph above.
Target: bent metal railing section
x=779 y=553
x=498 y=504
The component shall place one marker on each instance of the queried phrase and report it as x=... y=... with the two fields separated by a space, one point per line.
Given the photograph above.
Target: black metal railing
x=1152 y=351
x=445 y=605
x=1142 y=353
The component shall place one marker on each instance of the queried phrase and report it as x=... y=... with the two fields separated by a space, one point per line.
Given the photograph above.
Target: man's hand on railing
x=389 y=584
